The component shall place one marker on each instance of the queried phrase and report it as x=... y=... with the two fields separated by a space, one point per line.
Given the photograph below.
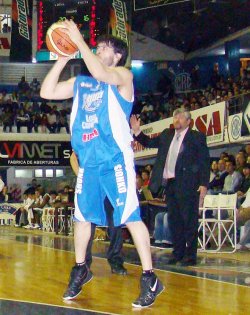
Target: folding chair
x=220 y=228
x=48 y=219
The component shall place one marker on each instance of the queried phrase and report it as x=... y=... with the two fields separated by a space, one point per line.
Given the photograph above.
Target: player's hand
x=71 y=29
x=135 y=124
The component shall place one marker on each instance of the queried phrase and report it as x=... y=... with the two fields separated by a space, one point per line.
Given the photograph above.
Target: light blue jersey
x=101 y=139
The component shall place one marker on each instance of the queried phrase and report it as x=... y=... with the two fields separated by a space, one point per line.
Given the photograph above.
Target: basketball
x=58 y=42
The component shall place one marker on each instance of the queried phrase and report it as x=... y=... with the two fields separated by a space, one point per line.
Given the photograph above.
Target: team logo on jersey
x=120 y=181
x=92 y=101
x=86 y=85
x=90 y=122
x=90 y=136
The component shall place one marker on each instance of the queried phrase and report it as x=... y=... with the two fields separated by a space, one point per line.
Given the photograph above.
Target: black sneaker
x=151 y=287
x=79 y=276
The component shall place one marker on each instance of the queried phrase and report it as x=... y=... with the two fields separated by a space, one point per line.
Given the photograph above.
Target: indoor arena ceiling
x=193 y=25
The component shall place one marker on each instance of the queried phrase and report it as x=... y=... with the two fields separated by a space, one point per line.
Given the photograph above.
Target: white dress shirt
x=167 y=173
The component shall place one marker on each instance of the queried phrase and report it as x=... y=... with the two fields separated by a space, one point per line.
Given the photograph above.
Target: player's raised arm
x=100 y=68
x=52 y=89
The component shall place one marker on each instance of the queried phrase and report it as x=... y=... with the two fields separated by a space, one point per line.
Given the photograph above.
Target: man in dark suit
x=182 y=166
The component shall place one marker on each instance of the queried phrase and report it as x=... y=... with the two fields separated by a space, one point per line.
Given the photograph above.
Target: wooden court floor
x=35 y=266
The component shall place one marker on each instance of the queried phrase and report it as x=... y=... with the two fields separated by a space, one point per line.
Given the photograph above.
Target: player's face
x=106 y=54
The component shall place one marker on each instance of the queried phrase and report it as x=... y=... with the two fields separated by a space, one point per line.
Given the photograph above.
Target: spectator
x=37 y=210
x=36 y=121
x=247 y=149
x=35 y=87
x=4 y=97
x=245 y=185
x=44 y=123
x=240 y=162
x=218 y=182
x=32 y=188
x=213 y=170
x=162 y=234
x=35 y=107
x=149 y=168
x=23 y=120
x=52 y=121
x=23 y=87
x=7 y=119
x=4 y=196
x=139 y=190
x=5 y=28
x=233 y=179
x=145 y=177
x=63 y=122
x=223 y=155
x=27 y=212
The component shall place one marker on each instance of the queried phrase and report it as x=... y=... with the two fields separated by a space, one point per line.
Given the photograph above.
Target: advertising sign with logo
x=182 y=82
x=208 y=120
x=5 y=40
x=245 y=127
x=21 y=34
x=35 y=153
x=235 y=129
x=120 y=22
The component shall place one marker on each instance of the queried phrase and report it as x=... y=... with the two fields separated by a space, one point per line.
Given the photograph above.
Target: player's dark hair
x=117 y=44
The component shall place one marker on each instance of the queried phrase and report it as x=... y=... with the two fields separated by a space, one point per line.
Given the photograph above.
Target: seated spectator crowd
x=34 y=203
x=153 y=108
x=24 y=108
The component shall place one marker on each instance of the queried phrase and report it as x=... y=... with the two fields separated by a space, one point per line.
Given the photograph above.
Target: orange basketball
x=58 y=42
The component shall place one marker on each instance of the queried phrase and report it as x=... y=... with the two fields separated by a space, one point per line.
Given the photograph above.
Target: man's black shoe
x=185 y=262
x=151 y=287
x=119 y=269
x=79 y=276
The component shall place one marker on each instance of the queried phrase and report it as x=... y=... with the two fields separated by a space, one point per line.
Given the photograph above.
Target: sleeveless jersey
x=99 y=122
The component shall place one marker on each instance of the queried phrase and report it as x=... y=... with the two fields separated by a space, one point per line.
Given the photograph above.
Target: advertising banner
x=29 y=153
x=120 y=23
x=5 y=44
x=21 y=33
x=245 y=127
x=235 y=133
x=208 y=120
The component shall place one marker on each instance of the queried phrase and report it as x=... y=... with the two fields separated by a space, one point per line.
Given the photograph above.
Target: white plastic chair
x=48 y=219
x=220 y=228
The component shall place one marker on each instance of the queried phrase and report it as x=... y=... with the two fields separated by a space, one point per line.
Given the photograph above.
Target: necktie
x=174 y=154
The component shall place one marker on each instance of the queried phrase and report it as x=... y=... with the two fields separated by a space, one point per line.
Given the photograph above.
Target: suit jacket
x=218 y=181
x=193 y=162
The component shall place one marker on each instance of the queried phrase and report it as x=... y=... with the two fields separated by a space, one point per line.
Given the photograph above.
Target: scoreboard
x=91 y=16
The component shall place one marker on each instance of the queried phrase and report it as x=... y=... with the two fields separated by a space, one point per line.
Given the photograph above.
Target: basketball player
x=100 y=137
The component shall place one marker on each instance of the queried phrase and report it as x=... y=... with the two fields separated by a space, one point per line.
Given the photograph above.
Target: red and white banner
x=208 y=120
x=5 y=41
